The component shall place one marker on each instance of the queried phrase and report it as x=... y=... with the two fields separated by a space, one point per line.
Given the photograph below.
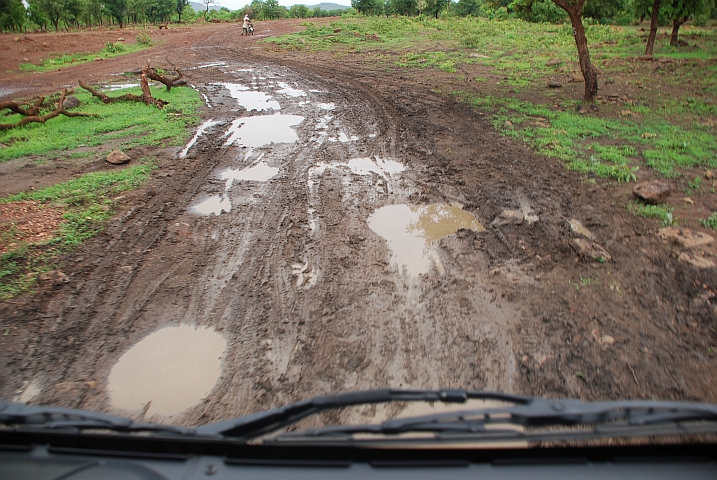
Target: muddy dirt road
x=331 y=227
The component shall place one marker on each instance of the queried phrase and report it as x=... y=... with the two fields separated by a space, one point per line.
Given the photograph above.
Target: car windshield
x=201 y=221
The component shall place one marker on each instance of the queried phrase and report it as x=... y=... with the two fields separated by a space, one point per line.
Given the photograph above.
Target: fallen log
x=168 y=82
x=17 y=107
x=146 y=96
x=60 y=110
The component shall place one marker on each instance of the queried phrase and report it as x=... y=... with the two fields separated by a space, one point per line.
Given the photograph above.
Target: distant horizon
x=237 y=4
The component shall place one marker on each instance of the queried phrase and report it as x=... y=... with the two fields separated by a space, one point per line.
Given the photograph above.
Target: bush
x=144 y=38
x=114 y=47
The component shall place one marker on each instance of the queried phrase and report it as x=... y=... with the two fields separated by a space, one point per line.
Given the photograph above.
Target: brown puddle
x=173 y=368
x=410 y=230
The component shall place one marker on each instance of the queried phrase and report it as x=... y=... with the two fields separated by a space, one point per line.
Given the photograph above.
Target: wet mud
x=335 y=231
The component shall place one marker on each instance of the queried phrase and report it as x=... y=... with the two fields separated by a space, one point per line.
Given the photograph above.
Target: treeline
x=620 y=12
x=44 y=15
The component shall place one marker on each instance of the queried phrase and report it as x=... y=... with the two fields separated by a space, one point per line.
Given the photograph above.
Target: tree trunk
x=586 y=66
x=674 y=40
x=653 y=27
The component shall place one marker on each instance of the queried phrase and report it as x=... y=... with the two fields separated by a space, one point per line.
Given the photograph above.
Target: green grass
x=710 y=222
x=69 y=59
x=132 y=123
x=661 y=212
x=87 y=203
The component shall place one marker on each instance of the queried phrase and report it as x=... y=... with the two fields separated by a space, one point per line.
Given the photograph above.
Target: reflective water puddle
x=410 y=230
x=289 y=91
x=250 y=99
x=202 y=128
x=263 y=130
x=171 y=369
x=119 y=86
x=214 y=205
x=260 y=172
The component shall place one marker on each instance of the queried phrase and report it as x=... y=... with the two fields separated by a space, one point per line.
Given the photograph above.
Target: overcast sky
x=235 y=4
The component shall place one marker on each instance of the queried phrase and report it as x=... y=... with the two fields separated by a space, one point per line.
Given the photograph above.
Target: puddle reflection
x=250 y=99
x=171 y=369
x=213 y=205
x=410 y=230
x=262 y=130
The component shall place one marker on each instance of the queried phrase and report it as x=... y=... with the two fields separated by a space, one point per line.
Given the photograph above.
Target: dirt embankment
x=308 y=296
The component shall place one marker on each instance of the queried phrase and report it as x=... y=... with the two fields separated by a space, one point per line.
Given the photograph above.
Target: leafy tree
x=37 y=14
x=179 y=7
x=574 y=9
x=603 y=9
x=537 y=11
x=12 y=15
x=207 y=3
x=270 y=9
x=679 y=11
x=465 y=8
x=368 y=7
x=117 y=10
x=299 y=11
x=435 y=7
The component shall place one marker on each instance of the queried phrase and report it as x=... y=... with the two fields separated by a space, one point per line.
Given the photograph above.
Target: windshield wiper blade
x=16 y=414
x=261 y=423
x=594 y=418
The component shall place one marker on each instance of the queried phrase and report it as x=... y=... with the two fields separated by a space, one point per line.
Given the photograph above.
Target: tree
x=299 y=11
x=179 y=7
x=270 y=9
x=208 y=3
x=37 y=14
x=654 y=19
x=12 y=15
x=465 y=8
x=679 y=11
x=367 y=7
x=435 y=7
x=117 y=10
x=574 y=9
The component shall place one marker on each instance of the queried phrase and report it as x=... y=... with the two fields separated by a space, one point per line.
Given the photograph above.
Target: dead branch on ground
x=168 y=82
x=146 y=96
x=31 y=114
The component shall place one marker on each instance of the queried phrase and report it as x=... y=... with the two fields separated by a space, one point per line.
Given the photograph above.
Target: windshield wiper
x=523 y=422
x=21 y=415
x=258 y=424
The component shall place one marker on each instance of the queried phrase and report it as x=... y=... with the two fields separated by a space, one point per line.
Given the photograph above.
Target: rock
x=117 y=158
x=337 y=30
x=553 y=62
x=121 y=39
x=688 y=200
x=606 y=340
x=653 y=192
x=71 y=102
x=478 y=55
x=508 y=217
x=696 y=260
x=17 y=39
x=589 y=250
x=709 y=174
x=645 y=58
x=56 y=277
x=2 y=145
x=578 y=228
x=686 y=237
x=554 y=84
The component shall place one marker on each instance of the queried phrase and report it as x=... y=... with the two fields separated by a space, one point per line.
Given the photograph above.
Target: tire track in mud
x=362 y=325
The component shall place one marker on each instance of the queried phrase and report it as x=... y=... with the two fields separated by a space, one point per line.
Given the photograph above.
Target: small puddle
x=250 y=99
x=262 y=130
x=289 y=91
x=213 y=205
x=326 y=106
x=171 y=369
x=119 y=86
x=411 y=229
x=260 y=172
x=202 y=128
x=379 y=166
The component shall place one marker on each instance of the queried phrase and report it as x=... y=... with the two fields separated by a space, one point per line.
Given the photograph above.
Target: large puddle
x=260 y=172
x=214 y=205
x=262 y=130
x=170 y=369
x=410 y=230
x=200 y=131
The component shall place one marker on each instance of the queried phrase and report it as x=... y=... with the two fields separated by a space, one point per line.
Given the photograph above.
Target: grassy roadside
x=67 y=59
x=125 y=124
x=64 y=215
x=653 y=119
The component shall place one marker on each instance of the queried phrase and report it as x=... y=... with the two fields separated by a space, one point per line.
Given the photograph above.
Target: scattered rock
x=578 y=228
x=508 y=217
x=337 y=30
x=554 y=84
x=606 y=340
x=688 y=200
x=696 y=260
x=56 y=277
x=17 y=39
x=71 y=102
x=121 y=39
x=653 y=192
x=553 y=62
x=709 y=174
x=117 y=158
x=685 y=237
x=478 y=55
x=528 y=215
x=589 y=250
